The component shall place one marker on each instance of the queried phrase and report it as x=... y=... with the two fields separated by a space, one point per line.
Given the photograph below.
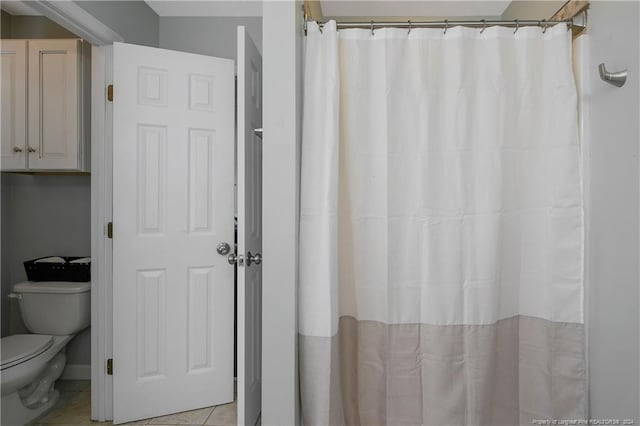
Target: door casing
x=101 y=244
x=75 y=19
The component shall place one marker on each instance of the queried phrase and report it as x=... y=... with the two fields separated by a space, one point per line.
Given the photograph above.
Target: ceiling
x=337 y=8
x=472 y=9
x=206 y=7
x=396 y=8
x=508 y=9
x=363 y=9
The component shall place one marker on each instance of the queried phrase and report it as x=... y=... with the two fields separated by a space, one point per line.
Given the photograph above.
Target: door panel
x=249 y=104
x=13 y=137
x=173 y=203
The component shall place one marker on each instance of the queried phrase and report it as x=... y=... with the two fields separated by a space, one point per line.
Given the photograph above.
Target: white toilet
x=31 y=363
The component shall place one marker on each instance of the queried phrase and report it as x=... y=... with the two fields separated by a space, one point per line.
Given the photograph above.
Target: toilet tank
x=54 y=307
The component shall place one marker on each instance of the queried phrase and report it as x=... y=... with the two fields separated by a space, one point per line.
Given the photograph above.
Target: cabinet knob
x=17 y=149
x=32 y=149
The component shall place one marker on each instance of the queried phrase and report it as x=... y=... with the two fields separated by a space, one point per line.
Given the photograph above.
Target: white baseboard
x=76 y=372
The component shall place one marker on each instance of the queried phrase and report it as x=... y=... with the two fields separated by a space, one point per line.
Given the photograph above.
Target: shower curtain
x=441 y=228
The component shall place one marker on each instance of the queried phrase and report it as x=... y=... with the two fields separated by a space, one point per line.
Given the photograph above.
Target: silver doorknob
x=256 y=258
x=223 y=248
x=233 y=259
x=17 y=149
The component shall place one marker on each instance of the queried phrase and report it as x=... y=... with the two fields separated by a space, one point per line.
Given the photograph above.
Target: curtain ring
x=517 y=26
x=371 y=27
x=409 y=32
x=484 y=26
x=545 y=26
x=446 y=26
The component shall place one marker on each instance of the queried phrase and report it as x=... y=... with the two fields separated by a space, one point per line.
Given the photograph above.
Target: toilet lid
x=22 y=347
x=52 y=287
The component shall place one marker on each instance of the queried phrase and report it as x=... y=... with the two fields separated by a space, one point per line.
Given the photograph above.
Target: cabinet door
x=54 y=89
x=13 y=90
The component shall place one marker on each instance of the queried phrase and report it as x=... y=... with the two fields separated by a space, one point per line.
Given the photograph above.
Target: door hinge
x=110 y=93
x=110 y=230
x=110 y=367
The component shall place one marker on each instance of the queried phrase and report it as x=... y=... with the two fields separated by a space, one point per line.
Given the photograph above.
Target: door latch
x=235 y=259
x=110 y=366
x=255 y=258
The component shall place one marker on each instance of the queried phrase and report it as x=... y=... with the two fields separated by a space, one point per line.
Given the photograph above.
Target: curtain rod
x=515 y=23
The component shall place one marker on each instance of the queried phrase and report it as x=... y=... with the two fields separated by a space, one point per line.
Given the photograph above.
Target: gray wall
x=213 y=36
x=42 y=216
x=282 y=117
x=136 y=22
x=35 y=27
x=5 y=25
x=614 y=213
x=532 y=9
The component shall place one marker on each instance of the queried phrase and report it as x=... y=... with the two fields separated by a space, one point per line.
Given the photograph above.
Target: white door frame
x=75 y=19
x=282 y=54
x=280 y=394
x=101 y=244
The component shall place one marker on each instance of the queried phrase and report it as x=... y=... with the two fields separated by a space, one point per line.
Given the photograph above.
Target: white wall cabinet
x=45 y=108
x=13 y=90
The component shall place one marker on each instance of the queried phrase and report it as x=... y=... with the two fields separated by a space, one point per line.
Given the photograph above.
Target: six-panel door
x=173 y=159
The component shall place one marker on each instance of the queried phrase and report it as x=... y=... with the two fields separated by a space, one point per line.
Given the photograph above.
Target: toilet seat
x=19 y=348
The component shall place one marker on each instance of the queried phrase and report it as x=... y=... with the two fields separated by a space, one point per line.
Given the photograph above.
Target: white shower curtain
x=441 y=228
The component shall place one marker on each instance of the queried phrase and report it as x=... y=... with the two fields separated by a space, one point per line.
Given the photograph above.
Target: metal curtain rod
x=515 y=23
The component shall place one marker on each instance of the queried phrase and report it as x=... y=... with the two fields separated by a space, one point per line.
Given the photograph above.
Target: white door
x=13 y=137
x=54 y=99
x=173 y=156
x=249 y=104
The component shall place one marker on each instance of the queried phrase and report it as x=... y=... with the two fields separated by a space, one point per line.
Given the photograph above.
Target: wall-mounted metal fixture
x=258 y=132
x=616 y=78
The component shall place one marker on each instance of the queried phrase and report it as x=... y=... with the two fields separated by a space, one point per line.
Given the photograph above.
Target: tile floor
x=74 y=408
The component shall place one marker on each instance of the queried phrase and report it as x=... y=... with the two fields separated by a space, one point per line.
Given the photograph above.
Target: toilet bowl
x=31 y=363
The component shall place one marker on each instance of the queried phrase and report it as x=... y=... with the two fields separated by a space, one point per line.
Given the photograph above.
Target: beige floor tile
x=194 y=417
x=223 y=415
x=74 y=409
x=72 y=422
x=76 y=412
x=73 y=385
x=138 y=423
